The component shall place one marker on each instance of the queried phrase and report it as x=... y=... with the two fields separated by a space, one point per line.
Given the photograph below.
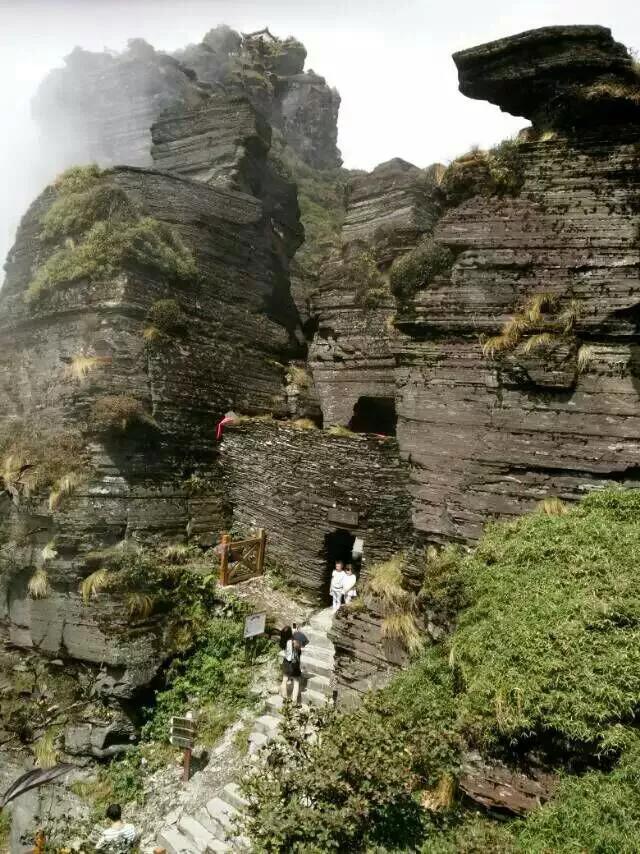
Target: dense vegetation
x=543 y=662
x=95 y=229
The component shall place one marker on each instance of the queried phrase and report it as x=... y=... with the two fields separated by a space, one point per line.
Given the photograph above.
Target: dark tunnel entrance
x=374 y=415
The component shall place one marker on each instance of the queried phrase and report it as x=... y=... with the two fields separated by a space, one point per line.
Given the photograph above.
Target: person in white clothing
x=349 y=584
x=337 y=580
x=120 y=837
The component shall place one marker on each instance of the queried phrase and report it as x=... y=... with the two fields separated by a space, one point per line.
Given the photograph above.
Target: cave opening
x=374 y=415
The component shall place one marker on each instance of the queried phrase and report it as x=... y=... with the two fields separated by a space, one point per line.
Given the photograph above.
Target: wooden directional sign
x=183 y=732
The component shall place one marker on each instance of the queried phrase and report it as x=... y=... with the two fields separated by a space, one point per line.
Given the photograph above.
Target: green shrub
x=369 y=284
x=418 y=268
x=484 y=173
x=78 y=179
x=354 y=786
x=215 y=681
x=108 y=246
x=166 y=321
x=550 y=646
x=74 y=213
x=118 y=412
x=596 y=812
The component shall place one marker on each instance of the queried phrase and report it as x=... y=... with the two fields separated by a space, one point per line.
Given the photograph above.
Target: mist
x=391 y=63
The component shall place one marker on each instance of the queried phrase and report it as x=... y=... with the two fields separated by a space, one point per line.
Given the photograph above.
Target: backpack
x=292 y=652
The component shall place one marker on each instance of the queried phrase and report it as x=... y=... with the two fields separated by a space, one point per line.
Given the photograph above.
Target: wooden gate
x=242 y=559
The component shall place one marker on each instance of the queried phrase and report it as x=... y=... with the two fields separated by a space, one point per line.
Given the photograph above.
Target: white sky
x=390 y=60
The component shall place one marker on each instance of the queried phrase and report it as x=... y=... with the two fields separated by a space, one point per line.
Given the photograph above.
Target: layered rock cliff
x=481 y=320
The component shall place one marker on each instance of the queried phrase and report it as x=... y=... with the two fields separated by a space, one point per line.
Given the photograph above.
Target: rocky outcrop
x=86 y=350
x=101 y=106
x=352 y=357
x=558 y=76
x=492 y=428
x=304 y=486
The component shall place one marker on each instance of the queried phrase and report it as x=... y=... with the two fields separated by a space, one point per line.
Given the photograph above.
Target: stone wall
x=301 y=485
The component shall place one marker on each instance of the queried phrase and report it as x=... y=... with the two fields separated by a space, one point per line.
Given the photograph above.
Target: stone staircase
x=211 y=828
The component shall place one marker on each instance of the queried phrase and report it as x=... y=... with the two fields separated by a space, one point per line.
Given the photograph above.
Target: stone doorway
x=374 y=415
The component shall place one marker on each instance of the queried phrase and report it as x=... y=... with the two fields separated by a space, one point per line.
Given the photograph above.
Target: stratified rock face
x=364 y=659
x=490 y=436
x=270 y=72
x=309 y=110
x=160 y=481
x=351 y=355
x=101 y=106
x=225 y=142
x=554 y=75
x=304 y=485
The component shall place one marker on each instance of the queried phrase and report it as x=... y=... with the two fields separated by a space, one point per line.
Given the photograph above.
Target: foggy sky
x=391 y=62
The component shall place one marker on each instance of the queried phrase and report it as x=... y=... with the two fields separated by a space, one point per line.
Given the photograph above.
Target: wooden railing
x=242 y=559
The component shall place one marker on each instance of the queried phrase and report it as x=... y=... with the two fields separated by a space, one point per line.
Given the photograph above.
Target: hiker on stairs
x=290 y=664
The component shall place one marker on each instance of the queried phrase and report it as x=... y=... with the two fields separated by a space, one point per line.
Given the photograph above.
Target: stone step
x=198 y=834
x=267 y=724
x=216 y=830
x=256 y=741
x=316 y=667
x=321 y=653
x=315 y=698
x=175 y=842
x=322 y=621
x=232 y=794
x=321 y=684
x=317 y=637
x=225 y=815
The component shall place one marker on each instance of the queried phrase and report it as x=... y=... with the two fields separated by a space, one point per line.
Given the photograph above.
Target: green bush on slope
x=551 y=643
x=545 y=653
x=354 y=786
x=101 y=230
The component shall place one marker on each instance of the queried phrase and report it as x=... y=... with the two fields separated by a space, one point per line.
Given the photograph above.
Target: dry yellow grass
x=385 y=582
x=553 y=506
x=542 y=341
x=585 y=356
x=139 y=605
x=304 y=424
x=93 y=584
x=45 y=751
x=403 y=627
x=38 y=586
x=441 y=797
x=49 y=551
x=81 y=366
x=64 y=487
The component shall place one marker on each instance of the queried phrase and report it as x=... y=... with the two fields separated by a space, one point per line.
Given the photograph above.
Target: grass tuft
x=81 y=366
x=585 y=357
x=38 y=586
x=139 y=605
x=64 y=487
x=94 y=584
x=540 y=341
x=403 y=627
x=119 y=412
x=44 y=749
x=553 y=506
x=49 y=552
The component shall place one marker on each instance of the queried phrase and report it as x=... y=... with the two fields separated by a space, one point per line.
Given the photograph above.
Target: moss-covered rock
x=418 y=268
